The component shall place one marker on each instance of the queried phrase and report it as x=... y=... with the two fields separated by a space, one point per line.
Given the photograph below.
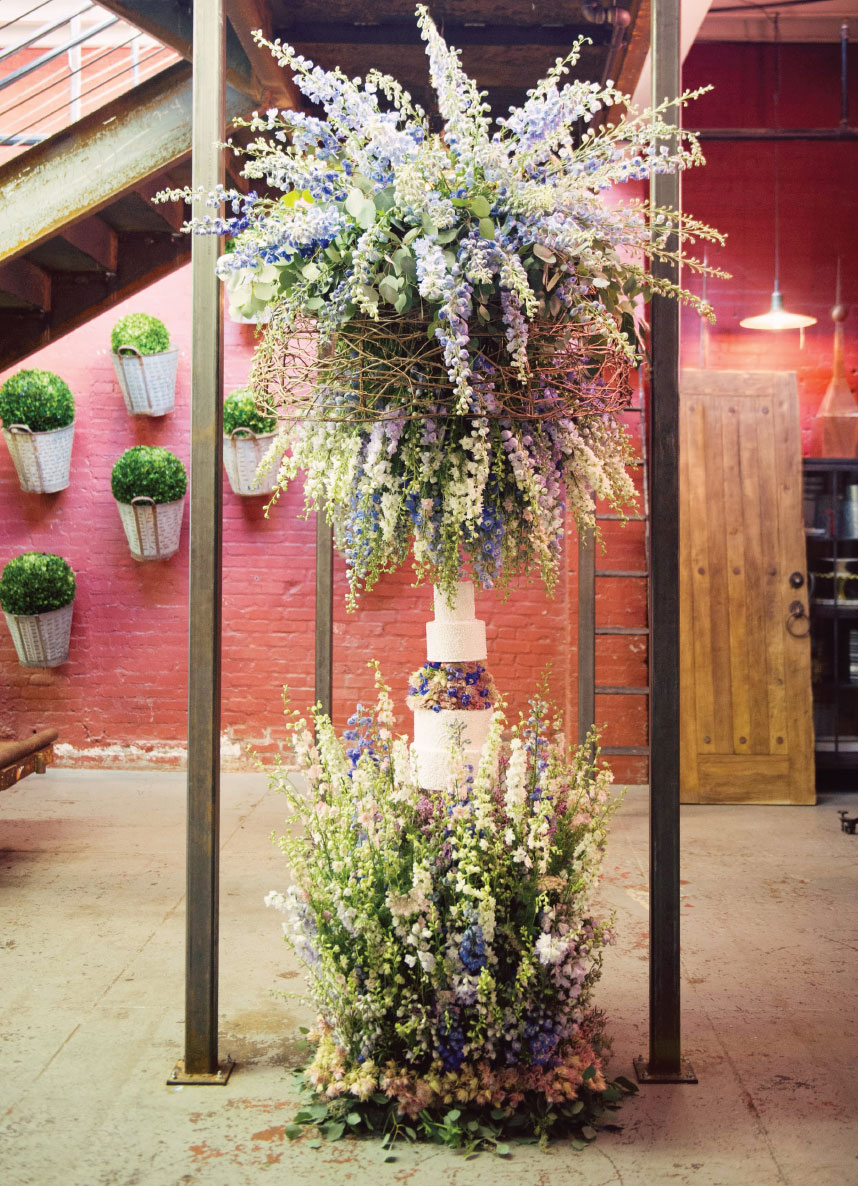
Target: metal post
x=200 y=1064
x=586 y=633
x=665 y=1063
x=324 y=612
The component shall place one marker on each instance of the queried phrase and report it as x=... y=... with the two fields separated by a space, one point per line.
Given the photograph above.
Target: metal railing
x=89 y=56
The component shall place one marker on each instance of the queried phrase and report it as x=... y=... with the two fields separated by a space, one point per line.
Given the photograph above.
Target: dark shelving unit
x=831 y=528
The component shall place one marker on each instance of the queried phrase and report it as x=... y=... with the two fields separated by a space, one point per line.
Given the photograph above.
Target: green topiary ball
x=148 y=471
x=146 y=334
x=36 y=582
x=40 y=399
x=240 y=411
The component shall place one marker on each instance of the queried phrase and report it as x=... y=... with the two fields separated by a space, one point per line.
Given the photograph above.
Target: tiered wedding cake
x=453 y=688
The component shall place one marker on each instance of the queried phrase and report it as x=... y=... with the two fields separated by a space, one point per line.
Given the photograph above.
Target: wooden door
x=746 y=724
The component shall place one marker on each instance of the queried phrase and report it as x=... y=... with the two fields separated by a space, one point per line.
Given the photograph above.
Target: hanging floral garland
x=452 y=316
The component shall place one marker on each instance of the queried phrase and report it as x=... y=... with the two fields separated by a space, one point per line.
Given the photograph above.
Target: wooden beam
x=82 y=169
x=275 y=84
x=455 y=12
x=171 y=24
x=558 y=36
x=634 y=52
x=94 y=238
x=27 y=283
x=172 y=213
x=491 y=66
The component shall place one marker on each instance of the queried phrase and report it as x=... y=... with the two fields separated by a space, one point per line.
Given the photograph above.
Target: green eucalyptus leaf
x=389 y=286
x=429 y=227
x=411 y=235
x=479 y=205
x=293 y=1131
x=449 y=235
x=402 y=302
x=366 y=217
x=313 y=303
x=487 y=228
x=354 y=202
x=384 y=199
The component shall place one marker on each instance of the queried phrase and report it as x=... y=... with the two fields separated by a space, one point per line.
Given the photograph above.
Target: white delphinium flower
x=515 y=797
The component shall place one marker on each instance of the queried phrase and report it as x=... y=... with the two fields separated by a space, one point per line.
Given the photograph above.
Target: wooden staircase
x=78 y=230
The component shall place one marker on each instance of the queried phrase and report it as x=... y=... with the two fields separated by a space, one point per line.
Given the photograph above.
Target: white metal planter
x=148 y=381
x=152 y=529
x=41 y=459
x=42 y=640
x=242 y=452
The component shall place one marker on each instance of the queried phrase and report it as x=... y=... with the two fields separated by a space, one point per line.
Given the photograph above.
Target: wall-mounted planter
x=41 y=640
x=41 y=459
x=243 y=450
x=37 y=411
x=148 y=381
x=37 y=597
x=152 y=529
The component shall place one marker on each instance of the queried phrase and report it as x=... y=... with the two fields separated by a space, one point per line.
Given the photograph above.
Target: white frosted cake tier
x=455 y=642
x=462 y=609
x=433 y=741
x=433 y=766
x=432 y=729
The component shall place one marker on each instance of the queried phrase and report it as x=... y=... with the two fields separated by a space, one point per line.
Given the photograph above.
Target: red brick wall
x=818 y=211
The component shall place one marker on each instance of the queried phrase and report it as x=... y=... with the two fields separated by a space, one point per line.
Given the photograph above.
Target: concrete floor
x=91 y=994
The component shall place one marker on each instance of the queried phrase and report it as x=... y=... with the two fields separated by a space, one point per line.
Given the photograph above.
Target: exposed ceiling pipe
x=619 y=19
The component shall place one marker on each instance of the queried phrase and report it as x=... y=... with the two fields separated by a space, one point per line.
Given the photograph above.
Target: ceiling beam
x=346 y=33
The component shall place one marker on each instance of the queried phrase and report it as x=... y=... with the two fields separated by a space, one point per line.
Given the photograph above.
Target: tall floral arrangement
x=452 y=313
x=449 y=938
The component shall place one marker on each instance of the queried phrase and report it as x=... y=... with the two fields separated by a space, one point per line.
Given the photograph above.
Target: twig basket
x=42 y=459
x=148 y=381
x=42 y=640
x=243 y=450
x=152 y=529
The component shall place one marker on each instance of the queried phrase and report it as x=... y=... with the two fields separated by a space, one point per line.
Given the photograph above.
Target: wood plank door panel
x=746 y=732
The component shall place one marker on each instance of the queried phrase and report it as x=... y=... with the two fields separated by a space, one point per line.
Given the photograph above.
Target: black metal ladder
x=588 y=631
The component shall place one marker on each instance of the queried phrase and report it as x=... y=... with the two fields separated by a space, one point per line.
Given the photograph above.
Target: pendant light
x=777 y=317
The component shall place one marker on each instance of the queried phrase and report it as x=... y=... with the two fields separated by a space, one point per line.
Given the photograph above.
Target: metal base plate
x=684 y=1075
x=218 y=1078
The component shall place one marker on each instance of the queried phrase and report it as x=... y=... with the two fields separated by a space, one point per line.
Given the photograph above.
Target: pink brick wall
x=122 y=696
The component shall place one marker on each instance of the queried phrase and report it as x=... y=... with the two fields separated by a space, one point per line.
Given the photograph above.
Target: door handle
x=797 y=615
